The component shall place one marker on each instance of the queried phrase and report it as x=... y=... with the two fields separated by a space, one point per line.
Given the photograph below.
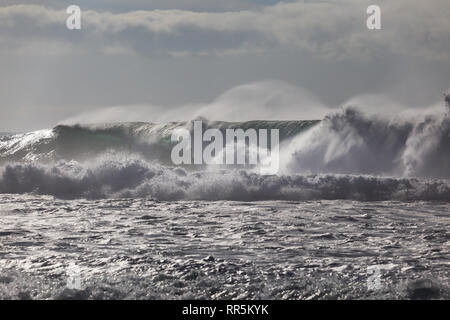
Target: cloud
x=328 y=29
x=129 y=5
x=171 y=53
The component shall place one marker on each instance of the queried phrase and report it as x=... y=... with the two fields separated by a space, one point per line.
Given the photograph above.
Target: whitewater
x=355 y=193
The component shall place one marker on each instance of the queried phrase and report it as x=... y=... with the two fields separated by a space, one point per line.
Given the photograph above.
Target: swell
x=132 y=177
x=347 y=155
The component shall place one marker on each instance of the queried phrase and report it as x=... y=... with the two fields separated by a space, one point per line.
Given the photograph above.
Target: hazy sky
x=162 y=60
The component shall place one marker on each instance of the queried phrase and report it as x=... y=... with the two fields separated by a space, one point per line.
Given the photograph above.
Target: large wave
x=152 y=141
x=347 y=155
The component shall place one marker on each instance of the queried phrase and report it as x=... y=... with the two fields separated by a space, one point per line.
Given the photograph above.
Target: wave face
x=347 y=155
x=151 y=141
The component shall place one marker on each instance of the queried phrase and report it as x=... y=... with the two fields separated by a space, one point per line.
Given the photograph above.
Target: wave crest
x=353 y=143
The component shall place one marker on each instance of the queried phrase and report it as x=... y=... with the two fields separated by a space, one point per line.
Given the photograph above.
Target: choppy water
x=145 y=249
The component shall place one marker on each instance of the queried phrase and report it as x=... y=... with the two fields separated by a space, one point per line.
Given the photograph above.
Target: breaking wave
x=350 y=142
x=347 y=155
x=133 y=177
x=151 y=141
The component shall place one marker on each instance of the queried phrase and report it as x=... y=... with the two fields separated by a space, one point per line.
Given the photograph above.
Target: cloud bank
x=328 y=29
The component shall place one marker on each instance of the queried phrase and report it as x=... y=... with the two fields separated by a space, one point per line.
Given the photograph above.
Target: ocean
x=359 y=210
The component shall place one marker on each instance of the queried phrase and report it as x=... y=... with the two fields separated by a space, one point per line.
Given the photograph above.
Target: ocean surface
x=146 y=249
x=360 y=209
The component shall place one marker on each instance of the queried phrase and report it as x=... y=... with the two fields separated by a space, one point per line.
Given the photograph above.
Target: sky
x=170 y=60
